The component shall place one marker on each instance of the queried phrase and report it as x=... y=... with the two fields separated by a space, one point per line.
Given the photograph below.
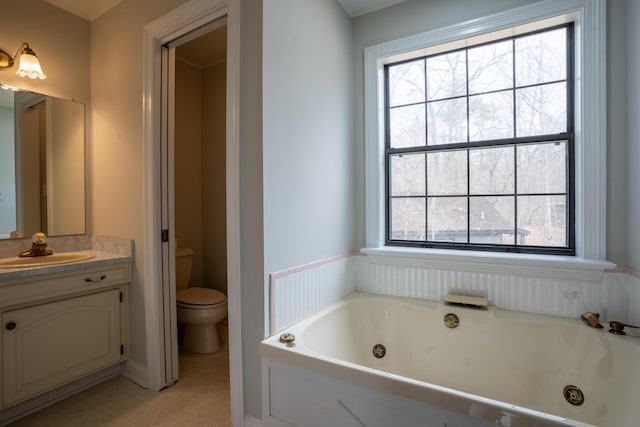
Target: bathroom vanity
x=60 y=324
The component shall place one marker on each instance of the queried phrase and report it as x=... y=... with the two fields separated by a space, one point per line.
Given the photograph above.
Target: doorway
x=159 y=254
x=196 y=165
x=199 y=154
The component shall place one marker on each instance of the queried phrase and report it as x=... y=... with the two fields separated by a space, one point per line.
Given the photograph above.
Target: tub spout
x=591 y=319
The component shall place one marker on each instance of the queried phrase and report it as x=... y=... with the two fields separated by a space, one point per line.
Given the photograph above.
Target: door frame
x=159 y=301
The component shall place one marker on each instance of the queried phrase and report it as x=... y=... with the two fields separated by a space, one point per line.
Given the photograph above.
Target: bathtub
x=497 y=367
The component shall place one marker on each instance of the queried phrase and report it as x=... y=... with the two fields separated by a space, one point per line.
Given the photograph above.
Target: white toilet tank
x=184 y=258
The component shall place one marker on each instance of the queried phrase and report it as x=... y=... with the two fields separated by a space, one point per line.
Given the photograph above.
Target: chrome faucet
x=38 y=246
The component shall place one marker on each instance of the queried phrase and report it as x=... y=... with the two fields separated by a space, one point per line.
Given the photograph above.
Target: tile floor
x=199 y=399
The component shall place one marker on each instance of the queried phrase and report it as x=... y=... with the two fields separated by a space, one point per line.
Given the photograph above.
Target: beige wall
x=200 y=168
x=60 y=40
x=188 y=163
x=214 y=230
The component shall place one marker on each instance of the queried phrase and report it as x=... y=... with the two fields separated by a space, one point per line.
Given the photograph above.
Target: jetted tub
x=497 y=367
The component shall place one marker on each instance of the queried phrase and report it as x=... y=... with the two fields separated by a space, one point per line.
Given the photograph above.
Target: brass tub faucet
x=591 y=319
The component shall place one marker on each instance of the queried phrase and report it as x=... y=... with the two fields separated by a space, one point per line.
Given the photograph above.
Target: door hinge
x=121 y=349
x=165 y=235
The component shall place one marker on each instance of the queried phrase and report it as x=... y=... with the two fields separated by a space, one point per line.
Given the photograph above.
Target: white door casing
x=158 y=312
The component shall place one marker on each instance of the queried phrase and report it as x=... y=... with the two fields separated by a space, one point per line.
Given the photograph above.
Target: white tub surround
x=497 y=367
x=529 y=284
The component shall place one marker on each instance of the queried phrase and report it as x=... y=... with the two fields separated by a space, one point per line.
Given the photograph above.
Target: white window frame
x=590 y=144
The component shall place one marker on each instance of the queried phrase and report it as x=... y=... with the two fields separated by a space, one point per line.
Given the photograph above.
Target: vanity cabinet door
x=47 y=345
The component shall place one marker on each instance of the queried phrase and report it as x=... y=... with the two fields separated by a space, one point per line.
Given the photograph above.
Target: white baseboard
x=136 y=372
x=250 y=421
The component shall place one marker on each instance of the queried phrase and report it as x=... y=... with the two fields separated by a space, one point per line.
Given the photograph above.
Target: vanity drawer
x=57 y=285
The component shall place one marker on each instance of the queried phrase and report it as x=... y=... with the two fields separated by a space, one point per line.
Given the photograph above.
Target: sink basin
x=41 y=261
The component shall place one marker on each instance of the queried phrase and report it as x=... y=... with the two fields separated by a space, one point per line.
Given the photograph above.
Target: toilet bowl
x=198 y=309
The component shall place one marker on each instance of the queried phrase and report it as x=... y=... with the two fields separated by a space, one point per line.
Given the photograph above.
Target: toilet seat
x=198 y=297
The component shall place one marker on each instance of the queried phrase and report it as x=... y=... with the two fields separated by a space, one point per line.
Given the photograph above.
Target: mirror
x=42 y=171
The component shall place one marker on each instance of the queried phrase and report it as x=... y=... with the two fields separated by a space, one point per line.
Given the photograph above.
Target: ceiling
x=209 y=49
x=361 y=7
x=206 y=50
x=91 y=9
x=87 y=9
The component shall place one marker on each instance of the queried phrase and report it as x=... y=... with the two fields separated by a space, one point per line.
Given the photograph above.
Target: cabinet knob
x=10 y=326
x=89 y=280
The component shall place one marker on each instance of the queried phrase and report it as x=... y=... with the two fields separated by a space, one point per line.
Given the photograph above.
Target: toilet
x=199 y=309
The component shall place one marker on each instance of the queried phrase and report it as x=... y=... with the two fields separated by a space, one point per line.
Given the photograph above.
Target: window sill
x=530 y=265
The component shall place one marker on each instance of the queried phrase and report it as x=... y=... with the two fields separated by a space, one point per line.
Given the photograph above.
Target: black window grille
x=479 y=146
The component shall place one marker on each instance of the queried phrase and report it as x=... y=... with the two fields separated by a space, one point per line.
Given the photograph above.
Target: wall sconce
x=29 y=66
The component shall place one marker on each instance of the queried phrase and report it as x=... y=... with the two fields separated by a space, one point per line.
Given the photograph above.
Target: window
x=588 y=138
x=479 y=146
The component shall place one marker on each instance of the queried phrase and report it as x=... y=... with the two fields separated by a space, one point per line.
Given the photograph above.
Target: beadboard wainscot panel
x=297 y=292
x=613 y=295
x=618 y=297
x=633 y=301
x=545 y=295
